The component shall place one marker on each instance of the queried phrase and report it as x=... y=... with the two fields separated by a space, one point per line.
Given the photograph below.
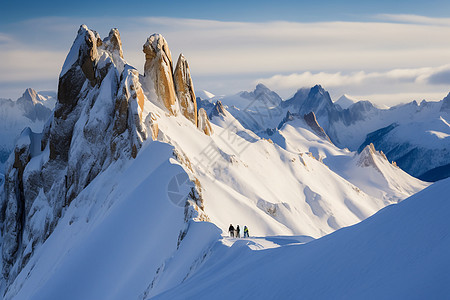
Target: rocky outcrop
x=158 y=72
x=185 y=90
x=311 y=121
x=367 y=158
x=218 y=110
x=128 y=131
x=203 y=122
x=78 y=68
x=112 y=43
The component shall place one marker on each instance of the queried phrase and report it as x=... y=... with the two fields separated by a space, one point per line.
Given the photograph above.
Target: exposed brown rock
x=185 y=90
x=128 y=130
x=158 y=71
x=203 y=122
x=311 y=120
x=367 y=157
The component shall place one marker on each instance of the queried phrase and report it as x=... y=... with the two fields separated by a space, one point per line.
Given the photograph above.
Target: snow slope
x=111 y=247
x=370 y=170
x=399 y=253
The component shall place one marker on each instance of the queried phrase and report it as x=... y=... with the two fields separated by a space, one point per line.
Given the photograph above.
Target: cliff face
x=185 y=90
x=203 y=122
x=98 y=118
x=158 y=72
x=103 y=115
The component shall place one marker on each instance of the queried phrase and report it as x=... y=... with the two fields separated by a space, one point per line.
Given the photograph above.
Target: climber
x=238 y=234
x=245 y=231
x=231 y=230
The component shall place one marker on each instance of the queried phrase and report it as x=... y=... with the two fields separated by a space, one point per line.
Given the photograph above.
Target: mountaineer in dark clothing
x=245 y=231
x=238 y=232
x=231 y=230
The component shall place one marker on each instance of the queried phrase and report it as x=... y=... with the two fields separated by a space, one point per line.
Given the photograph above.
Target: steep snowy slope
x=31 y=110
x=399 y=253
x=369 y=170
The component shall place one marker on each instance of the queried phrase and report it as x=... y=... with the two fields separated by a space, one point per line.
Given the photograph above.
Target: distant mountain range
x=415 y=136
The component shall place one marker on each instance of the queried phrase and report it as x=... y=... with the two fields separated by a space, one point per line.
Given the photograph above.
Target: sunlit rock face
x=203 y=122
x=158 y=72
x=185 y=90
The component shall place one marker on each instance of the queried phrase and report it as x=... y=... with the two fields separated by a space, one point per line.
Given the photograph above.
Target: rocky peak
x=345 y=101
x=311 y=121
x=32 y=105
x=158 y=72
x=218 y=109
x=367 y=157
x=315 y=99
x=78 y=66
x=30 y=96
x=446 y=103
x=113 y=43
x=185 y=89
x=318 y=97
x=264 y=95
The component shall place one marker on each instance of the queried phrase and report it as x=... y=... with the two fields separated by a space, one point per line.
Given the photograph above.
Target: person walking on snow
x=238 y=232
x=245 y=231
x=231 y=230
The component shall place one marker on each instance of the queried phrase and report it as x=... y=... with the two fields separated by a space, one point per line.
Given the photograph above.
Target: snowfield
x=399 y=253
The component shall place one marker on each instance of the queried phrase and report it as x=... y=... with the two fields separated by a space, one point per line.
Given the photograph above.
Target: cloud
x=436 y=76
x=414 y=19
x=441 y=77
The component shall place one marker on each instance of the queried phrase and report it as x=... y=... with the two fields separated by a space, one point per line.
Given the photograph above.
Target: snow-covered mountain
x=131 y=181
x=31 y=110
x=345 y=101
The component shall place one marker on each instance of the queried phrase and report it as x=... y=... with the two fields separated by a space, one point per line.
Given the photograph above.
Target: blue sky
x=384 y=51
x=254 y=11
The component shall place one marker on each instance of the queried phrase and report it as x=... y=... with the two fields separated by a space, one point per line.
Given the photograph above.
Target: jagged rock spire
x=113 y=43
x=78 y=66
x=218 y=109
x=185 y=90
x=158 y=72
x=203 y=122
x=311 y=120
